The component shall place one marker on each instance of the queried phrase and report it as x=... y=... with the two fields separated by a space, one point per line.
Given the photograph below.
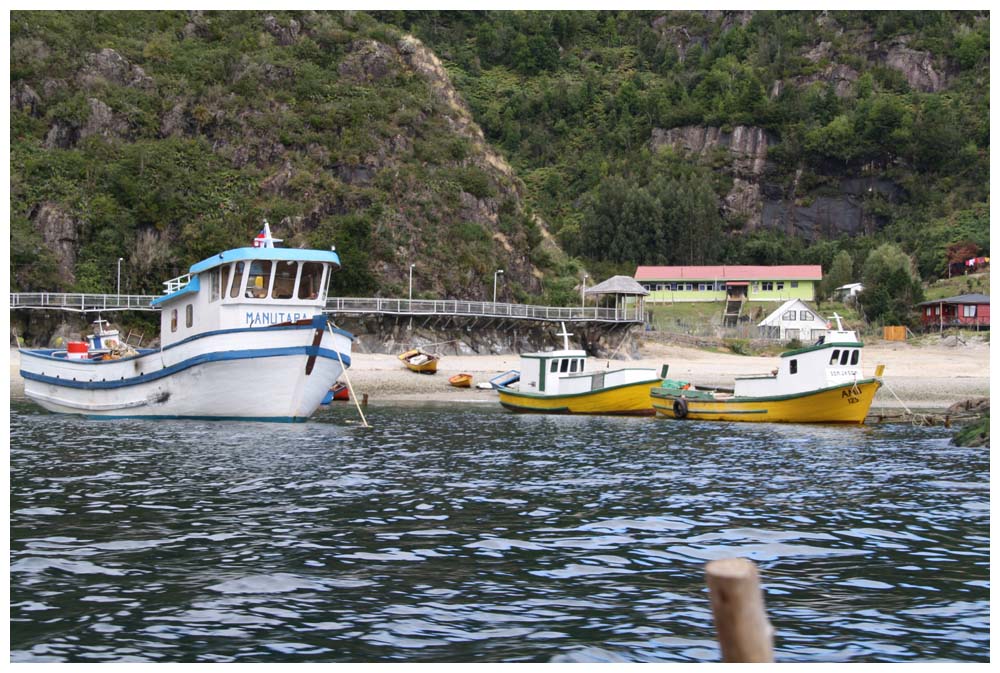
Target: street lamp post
x=495 y=274
x=411 y=281
x=583 y=289
x=120 y=278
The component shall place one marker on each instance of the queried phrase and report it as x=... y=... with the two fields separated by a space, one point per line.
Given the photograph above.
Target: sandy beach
x=925 y=377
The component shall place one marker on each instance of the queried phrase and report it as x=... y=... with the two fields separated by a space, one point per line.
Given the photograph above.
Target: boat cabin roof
x=556 y=354
x=279 y=254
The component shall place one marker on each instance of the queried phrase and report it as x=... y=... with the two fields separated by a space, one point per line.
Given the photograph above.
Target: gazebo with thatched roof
x=622 y=288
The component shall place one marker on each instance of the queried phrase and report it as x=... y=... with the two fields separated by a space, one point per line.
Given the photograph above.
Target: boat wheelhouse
x=243 y=336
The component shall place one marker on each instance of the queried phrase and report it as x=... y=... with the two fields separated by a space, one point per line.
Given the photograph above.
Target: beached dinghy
x=461 y=380
x=243 y=336
x=420 y=361
x=822 y=383
x=557 y=382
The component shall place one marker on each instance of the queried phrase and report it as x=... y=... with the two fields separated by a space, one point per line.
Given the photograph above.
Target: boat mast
x=565 y=335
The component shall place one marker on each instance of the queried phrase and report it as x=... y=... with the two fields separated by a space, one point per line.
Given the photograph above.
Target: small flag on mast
x=264 y=238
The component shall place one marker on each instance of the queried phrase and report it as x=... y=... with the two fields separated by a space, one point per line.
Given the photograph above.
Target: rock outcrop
x=59 y=233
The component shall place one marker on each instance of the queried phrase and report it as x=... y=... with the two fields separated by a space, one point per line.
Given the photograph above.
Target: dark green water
x=470 y=534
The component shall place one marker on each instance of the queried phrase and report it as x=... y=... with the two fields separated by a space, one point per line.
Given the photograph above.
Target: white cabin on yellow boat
x=835 y=359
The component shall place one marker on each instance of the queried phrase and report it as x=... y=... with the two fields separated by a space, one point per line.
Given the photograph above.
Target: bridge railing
x=428 y=307
x=81 y=303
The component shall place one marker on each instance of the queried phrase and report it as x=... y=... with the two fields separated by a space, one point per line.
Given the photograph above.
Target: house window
x=767 y=286
x=173 y=320
x=189 y=315
x=793 y=367
x=788 y=315
x=781 y=285
x=805 y=316
x=927 y=311
x=969 y=311
x=756 y=286
x=795 y=283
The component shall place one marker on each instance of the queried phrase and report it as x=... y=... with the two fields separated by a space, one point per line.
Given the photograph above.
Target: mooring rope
x=923 y=420
x=347 y=378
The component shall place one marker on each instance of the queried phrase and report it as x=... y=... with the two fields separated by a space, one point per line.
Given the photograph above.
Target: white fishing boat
x=243 y=336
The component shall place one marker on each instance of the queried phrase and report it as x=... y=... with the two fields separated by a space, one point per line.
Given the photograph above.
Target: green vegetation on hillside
x=161 y=137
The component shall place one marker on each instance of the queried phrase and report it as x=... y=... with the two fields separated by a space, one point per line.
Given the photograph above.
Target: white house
x=848 y=292
x=794 y=320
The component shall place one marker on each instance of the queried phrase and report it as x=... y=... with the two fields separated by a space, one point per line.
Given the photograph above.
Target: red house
x=966 y=310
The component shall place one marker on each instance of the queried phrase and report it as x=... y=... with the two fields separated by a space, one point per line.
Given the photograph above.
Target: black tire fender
x=680 y=408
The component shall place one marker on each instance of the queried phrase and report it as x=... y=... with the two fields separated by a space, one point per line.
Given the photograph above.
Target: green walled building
x=729 y=283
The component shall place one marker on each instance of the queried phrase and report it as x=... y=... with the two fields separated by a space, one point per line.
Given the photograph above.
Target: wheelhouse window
x=572 y=366
x=259 y=279
x=173 y=320
x=835 y=357
x=554 y=367
x=311 y=283
x=284 y=279
x=216 y=291
x=855 y=356
x=224 y=280
x=793 y=367
x=189 y=315
x=844 y=356
x=564 y=366
x=238 y=269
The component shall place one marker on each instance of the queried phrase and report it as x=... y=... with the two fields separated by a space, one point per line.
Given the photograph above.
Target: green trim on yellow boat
x=542 y=396
x=725 y=411
x=663 y=394
x=819 y=347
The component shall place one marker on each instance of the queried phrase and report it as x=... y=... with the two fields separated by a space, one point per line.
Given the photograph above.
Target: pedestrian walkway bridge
x=102 y=303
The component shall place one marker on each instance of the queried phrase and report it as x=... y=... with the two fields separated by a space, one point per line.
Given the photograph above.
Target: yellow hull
x=840 y=404
x=632 y=399
x=429 y=366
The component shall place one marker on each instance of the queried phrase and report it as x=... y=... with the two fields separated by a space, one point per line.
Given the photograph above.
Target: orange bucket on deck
x=76 y=350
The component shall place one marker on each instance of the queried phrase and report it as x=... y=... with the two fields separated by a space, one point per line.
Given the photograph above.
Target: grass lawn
x=974 y=283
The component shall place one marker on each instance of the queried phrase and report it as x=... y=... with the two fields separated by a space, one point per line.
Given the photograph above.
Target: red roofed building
x=721 y=283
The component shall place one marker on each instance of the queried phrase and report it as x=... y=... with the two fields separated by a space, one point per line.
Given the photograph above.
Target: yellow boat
x=557 y=382
x=461 y=380
x=818 y=384
x=419 y=361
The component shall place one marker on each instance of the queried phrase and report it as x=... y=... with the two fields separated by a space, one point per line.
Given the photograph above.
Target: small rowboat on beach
x=420 y=361
x=338 y=391
x=461 y=380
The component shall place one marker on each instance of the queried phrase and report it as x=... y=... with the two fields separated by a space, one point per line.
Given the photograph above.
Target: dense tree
x=892 y=287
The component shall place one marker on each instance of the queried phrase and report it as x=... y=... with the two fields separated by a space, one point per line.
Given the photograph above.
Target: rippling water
x=470 y=534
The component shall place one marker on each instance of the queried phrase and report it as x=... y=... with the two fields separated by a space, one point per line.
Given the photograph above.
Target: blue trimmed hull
x=273 y=374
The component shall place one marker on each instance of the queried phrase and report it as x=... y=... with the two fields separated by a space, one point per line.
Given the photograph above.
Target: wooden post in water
x=745 y=635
